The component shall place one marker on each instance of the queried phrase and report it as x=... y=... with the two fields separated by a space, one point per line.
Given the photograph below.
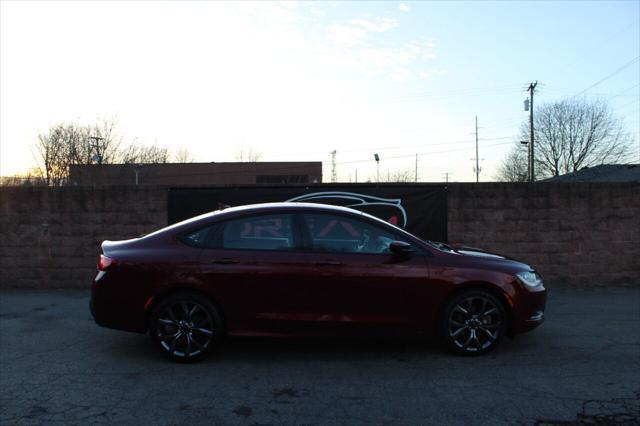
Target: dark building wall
x=177 y=174
x=582 y=234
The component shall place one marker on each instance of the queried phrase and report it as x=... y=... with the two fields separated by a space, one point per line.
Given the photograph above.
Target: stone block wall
x=582 y=234
x=50 y=237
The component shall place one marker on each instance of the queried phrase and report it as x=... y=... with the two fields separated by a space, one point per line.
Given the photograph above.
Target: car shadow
x=136 y=347
x=292 y=349
x=255 y=349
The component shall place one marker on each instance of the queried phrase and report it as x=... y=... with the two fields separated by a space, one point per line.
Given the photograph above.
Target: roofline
x=289 y=204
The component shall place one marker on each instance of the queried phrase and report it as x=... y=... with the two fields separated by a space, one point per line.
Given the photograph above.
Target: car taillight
x=104 y=262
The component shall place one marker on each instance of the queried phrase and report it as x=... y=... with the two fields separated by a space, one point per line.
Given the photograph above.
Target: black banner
x=419 y=208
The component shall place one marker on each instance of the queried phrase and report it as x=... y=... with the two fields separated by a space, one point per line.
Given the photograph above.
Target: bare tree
x=32 y=178
x=143 y=154
x=109 y=145
x=182 y=155
x=67 y=144
x=399 y=176
x=50 y=155
x=514 y=167
x=575 y=133
x=248 y=155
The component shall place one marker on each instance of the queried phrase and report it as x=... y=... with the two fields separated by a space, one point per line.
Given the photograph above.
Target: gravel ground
x=582 y=366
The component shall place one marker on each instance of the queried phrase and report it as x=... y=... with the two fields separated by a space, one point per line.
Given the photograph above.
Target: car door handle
x=328 y=263
x=225 y=261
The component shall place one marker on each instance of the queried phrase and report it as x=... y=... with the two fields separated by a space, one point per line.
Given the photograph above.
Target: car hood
x=478 y=253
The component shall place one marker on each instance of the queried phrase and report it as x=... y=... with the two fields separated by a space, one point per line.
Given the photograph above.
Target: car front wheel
x=473 y=323
x=186 y=327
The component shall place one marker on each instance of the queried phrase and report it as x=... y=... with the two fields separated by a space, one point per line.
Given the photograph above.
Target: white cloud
x=382 y=24
x=364 y=45
x=262 y=73
x=346 y=34
x=379 y=57
x=403 y=7
x=356 y=31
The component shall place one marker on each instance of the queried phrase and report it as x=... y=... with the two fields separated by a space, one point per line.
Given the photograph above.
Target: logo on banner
x=389 y=209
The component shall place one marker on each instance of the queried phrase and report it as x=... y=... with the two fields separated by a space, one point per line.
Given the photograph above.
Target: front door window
x=333 y=233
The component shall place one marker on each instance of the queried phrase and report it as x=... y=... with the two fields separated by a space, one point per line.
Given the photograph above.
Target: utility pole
x=446 y=176
x=334 y=171
x=377 y=158
x=477 y=157
x=532 y=157
x=416 y=168
x=96 y=147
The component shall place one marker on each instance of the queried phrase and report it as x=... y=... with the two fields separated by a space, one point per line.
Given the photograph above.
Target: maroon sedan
x=296 y=269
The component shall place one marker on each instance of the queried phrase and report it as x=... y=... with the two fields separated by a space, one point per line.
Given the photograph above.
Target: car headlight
x=529 y=278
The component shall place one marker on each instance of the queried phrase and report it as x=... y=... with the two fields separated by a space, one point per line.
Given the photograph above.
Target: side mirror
x=400 y=247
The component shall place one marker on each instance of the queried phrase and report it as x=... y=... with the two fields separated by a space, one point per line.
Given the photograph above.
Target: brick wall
x=573 y=233
x=51 y=237
x=584 y=234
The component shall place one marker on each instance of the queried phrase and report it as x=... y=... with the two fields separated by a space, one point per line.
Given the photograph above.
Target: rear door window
x=263 y=232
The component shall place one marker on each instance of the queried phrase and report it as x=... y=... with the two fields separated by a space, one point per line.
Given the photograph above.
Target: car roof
x=263 y=207
x=293 y=205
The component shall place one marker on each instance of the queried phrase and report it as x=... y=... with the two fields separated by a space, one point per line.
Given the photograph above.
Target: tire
x=473 y=322
x=186 y=327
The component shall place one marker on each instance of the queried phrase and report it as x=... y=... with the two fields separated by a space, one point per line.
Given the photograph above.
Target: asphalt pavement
x=581 y=365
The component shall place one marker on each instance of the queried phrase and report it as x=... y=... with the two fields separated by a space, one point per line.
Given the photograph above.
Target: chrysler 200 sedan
x=298 y=269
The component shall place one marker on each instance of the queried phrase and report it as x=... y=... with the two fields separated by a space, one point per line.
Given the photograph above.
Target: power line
x=609 y=37
x=456 y=93
x=427 y=153
x=628 y=64
x=391 y=147
x=475 y=91
x=633 y=102
x=444 y=97
x=603 y=94
x=626 y=90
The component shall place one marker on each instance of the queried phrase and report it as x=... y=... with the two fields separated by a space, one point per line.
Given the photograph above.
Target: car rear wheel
x=473 y=323
x=186 y=327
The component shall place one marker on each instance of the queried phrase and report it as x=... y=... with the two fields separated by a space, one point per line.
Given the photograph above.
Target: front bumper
x=528 y=310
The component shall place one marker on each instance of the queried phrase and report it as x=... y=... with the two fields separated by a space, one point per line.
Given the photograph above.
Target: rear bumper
x=110 y=307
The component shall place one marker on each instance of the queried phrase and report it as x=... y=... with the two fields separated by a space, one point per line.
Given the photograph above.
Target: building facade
x=190 y=174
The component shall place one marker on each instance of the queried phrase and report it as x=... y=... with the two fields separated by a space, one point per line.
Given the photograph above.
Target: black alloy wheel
x=473 y=323
x=186 y=327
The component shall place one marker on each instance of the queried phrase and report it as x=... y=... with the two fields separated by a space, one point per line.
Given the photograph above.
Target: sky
x=297 y=80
